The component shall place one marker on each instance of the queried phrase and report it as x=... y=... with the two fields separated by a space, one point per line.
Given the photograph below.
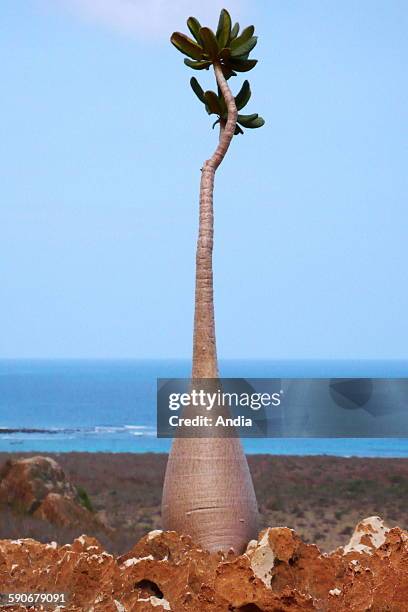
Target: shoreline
x=385 y=448
x=56 y=453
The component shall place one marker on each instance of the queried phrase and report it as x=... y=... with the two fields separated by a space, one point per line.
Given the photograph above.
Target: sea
x=110 y=405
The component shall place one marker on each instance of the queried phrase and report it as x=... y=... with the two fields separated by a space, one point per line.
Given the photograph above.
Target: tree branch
x=227 y=131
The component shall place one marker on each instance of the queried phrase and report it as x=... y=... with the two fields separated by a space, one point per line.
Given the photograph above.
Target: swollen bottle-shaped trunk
x=208 y=491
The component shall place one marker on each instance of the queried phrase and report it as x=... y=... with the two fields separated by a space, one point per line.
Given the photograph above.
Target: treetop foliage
x=229 y=48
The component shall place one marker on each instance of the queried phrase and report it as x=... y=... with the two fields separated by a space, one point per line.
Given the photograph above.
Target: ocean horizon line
x=65 y=405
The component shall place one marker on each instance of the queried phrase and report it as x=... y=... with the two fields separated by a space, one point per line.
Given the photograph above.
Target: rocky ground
x=165 y=571
x=115 y=497
x=322 y=498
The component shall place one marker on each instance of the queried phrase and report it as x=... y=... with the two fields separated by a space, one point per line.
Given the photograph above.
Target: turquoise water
x=110 y=406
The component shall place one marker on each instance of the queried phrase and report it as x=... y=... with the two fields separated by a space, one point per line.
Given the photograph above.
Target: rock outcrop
x=166 y=571
x=38 y=486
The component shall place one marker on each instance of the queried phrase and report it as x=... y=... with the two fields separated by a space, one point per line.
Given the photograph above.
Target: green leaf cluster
x=215 y=105
x=229 y=46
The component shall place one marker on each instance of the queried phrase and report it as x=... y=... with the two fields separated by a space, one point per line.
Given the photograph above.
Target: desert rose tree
x=208 y=491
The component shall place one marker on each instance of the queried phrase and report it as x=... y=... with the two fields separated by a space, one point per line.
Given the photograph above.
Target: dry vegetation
x=321 y=497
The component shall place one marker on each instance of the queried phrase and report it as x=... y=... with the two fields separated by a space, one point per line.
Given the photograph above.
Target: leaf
x=197 y=65
x=256 y=123
x=251 y=121
x=245 y=48
x=244 y=95
x=245 y=120
x=228 y=72
x=187 y=46
x=198 y=90
x=209 y=42
x=238 y=130
x=234 y=32
x=243 y=37
x=194 y=26
x=213 y=103
x=224 y=28
x=243 y=65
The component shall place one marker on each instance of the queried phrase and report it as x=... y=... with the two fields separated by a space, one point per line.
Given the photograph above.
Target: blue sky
x=102 y=144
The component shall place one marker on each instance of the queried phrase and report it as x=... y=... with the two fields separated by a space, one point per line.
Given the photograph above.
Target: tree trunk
x=208 y=491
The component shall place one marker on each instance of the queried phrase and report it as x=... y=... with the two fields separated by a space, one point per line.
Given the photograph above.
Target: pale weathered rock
x=167 y=572
x=368 y=534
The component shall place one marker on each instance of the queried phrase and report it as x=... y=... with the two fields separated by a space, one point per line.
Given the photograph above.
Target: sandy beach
x=322 y=498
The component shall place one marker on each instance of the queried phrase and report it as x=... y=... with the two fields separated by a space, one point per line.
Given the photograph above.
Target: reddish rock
x=63 y=511
x=25 y=483
x=39 y=486
x=165 y=571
